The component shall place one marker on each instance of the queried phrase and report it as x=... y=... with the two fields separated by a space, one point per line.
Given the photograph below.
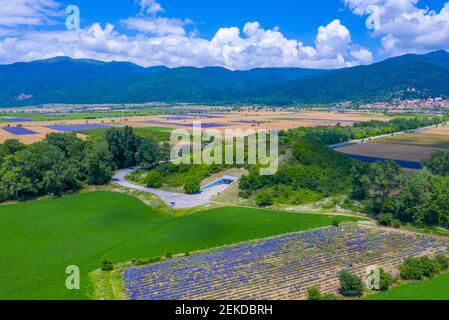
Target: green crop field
x=157 y=133
x=434 y=289
x=39 y=239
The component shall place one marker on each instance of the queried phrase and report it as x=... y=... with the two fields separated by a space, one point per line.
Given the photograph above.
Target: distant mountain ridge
x=83 y=81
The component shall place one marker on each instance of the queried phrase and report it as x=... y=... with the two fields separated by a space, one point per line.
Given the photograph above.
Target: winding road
x=175 y=200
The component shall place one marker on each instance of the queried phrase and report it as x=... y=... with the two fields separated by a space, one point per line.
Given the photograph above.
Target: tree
x=153 y=179
x=360 y=181
x=439 y=207
x=384 y=178
x=438 y=163
x=350 y=285
x=98 y=163
x=149 y=154
x=33 y=163
x=61 y=163
x=123 y=145
x=414 y=201
x=192 y=185
x=65 y=176
x=10 y=147
x=67 y=143
x=13 y=186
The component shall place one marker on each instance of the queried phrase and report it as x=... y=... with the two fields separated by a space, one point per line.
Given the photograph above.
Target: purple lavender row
x=80 y=127
x=19 y=131
x=189 y=125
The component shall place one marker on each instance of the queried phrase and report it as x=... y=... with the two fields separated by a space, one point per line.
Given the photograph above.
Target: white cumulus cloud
x=150 y=7
x=158 y=40
x=230 y=47
x=405 y=27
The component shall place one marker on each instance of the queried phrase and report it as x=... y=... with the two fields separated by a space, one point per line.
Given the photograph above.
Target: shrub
x=192 y=185
x=385 y=220
x=348 y=204
x=314 y=294
x=386 y=280
x=443 y=261
x=143 y=262
x=419 y=268
x=350 y=285
x=396 y=224
x=430 y=267
x=264 y=199
x=245 y=194
x=107 y=265
x=153 y=179
x=336 y=222
x=409 y=272
x=169 y=255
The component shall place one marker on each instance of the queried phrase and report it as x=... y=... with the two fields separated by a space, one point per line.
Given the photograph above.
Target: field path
x=176 y=200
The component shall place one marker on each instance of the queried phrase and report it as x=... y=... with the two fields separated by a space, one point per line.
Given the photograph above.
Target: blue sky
x=232 y=33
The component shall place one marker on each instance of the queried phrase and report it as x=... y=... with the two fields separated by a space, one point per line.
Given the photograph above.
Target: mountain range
x=83 y=81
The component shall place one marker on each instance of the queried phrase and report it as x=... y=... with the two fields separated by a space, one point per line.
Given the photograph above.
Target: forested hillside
x=65 y=80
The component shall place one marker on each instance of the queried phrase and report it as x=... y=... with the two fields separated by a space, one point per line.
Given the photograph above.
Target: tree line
x=64 y=163
x=362 y=130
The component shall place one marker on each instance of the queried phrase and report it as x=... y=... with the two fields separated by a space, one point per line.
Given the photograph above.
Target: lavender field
x=79 y=127
x=277 y=268
x=19 y=131
x=190 y=125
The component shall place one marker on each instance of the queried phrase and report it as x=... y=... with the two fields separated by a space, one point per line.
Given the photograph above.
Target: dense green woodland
x=63 y=163
x=394 y=198
x=405 y=77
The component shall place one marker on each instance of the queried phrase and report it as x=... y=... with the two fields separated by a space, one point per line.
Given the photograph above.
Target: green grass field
x=39 y=239
x=434 y=289
x=157 y=133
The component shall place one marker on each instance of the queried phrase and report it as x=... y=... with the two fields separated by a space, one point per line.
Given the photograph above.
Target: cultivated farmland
x=39 y=239
x=389 y=151
x=244 y=119
x=433 y=138
x=278 y=268
x=411 y=147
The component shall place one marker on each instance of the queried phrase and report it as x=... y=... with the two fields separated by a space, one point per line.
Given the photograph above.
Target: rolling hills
x=66 y=80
